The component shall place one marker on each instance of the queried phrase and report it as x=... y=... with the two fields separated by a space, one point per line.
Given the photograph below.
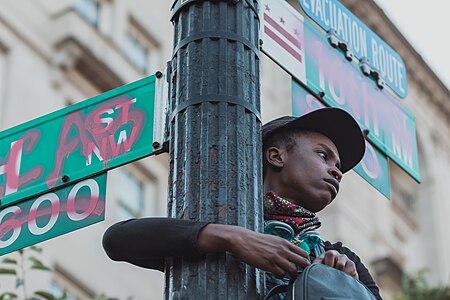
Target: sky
x=426 y=25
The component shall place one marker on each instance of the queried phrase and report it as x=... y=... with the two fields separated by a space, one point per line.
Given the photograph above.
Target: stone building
x=55 y=53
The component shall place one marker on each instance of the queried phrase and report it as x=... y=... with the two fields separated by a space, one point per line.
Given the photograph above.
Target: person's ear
x=275 y=157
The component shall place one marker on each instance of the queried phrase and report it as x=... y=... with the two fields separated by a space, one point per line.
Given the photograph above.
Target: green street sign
x=374 y=167
x=305 y=53
x=360 y=40
x=391 y=126
x=77 y=142
x=52 y=214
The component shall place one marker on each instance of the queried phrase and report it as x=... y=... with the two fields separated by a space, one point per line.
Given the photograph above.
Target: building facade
x=54 y=53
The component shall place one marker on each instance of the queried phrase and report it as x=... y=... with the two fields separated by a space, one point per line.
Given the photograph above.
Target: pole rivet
x=366 y=132
x=65 y=178
x=156 y=145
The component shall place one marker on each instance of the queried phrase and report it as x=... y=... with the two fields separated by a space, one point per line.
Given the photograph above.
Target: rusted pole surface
x=215 y=139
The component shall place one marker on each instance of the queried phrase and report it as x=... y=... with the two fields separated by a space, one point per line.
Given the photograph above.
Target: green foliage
x=8 y=296
x=46 y=295
x=4 y=271
x=104 y=297
x=37 y=264
x=28 y=261
x=9 y=261
x=415 y=287
x=17 y=268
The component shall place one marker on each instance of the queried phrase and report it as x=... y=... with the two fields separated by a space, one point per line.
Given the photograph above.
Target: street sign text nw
x=360 y=40
x=53 y=214
x=77 y=142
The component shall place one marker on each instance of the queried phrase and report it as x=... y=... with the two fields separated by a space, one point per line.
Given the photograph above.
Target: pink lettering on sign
x=110 y=130
x=11 y=168
x=41 y=215
x=388 y=123
x=370 y=163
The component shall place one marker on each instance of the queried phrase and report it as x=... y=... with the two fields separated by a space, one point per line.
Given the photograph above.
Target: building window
x=65 y=286
x=403 y=190
x=2 y=80
x=137 y=47
x=130 y=194
x=135 y=191
x=89 y=9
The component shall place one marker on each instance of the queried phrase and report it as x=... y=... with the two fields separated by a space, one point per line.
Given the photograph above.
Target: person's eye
x=323 y=155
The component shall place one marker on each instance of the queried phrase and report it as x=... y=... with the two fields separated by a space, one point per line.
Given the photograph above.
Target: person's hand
x=267 y=252
x=338 y=261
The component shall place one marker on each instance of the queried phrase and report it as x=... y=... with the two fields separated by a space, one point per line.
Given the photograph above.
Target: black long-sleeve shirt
x=147 y=242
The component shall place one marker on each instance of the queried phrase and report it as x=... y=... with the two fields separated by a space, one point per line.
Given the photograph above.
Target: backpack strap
x=318 y=250
x=278 y=289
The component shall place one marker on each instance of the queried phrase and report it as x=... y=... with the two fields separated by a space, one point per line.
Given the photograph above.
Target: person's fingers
x=329 y=258
x=292 y=258
x=278 y=271
x=350 y=269
x=340 y=262
x=289 y=268
x=319 y=259
x=298 y=260
x=296 y=249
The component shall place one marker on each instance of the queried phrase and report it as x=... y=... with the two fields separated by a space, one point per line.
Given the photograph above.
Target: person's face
x=310 y=173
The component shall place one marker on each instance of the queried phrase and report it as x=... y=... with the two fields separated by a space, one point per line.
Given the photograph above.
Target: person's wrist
x=214 y=238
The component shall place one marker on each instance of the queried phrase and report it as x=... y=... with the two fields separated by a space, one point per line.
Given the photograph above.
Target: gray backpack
x=321 y=282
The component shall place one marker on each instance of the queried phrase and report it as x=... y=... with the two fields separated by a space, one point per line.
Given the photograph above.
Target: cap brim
x=341 y=128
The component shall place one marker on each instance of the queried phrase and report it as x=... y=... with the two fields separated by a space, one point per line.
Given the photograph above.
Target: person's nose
x=336 y=173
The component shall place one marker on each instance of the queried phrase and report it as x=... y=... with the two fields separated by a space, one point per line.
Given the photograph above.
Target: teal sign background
x=361 y=40
x=391 y=126
x=76 y=142
x=52 y=214
x=374 y=167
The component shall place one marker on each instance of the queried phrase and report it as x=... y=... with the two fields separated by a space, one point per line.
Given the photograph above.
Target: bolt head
x=156 y=145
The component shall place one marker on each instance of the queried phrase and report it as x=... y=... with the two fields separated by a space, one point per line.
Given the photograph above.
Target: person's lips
x=334 y=185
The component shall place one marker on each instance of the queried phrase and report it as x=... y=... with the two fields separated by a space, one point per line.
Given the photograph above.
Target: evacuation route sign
x=360 y=39
x=374 y=167
x=77 y=142
x=53 y=214
x=391 y=126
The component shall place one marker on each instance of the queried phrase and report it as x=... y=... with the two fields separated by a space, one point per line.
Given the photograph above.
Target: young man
x=303 y=160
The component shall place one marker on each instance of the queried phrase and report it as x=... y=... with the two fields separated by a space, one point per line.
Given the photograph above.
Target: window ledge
x=97 y=53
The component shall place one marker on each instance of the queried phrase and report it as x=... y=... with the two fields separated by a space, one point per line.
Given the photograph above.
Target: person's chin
x=324 y=202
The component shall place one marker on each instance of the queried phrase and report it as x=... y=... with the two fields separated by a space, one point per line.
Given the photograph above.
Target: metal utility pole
x=215 y=139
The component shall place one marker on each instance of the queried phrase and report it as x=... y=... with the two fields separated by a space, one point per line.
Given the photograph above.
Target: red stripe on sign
x=281 y=30
x=283 y=44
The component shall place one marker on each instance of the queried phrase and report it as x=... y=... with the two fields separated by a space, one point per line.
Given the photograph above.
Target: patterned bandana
x=299 y=218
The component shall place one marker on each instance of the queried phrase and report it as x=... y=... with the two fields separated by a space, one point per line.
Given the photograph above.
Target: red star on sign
x=267 y=8
x=282 y=21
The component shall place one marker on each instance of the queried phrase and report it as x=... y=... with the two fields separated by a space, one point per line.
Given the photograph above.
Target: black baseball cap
x=336 y=124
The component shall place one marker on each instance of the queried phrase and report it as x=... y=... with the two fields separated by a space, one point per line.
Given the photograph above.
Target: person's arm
x=146 y=242
x=267 y=252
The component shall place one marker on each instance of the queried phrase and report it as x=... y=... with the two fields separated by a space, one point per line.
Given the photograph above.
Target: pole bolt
x=156 y=145
x=65 y=178
x=366 y=132
x=159 y=75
